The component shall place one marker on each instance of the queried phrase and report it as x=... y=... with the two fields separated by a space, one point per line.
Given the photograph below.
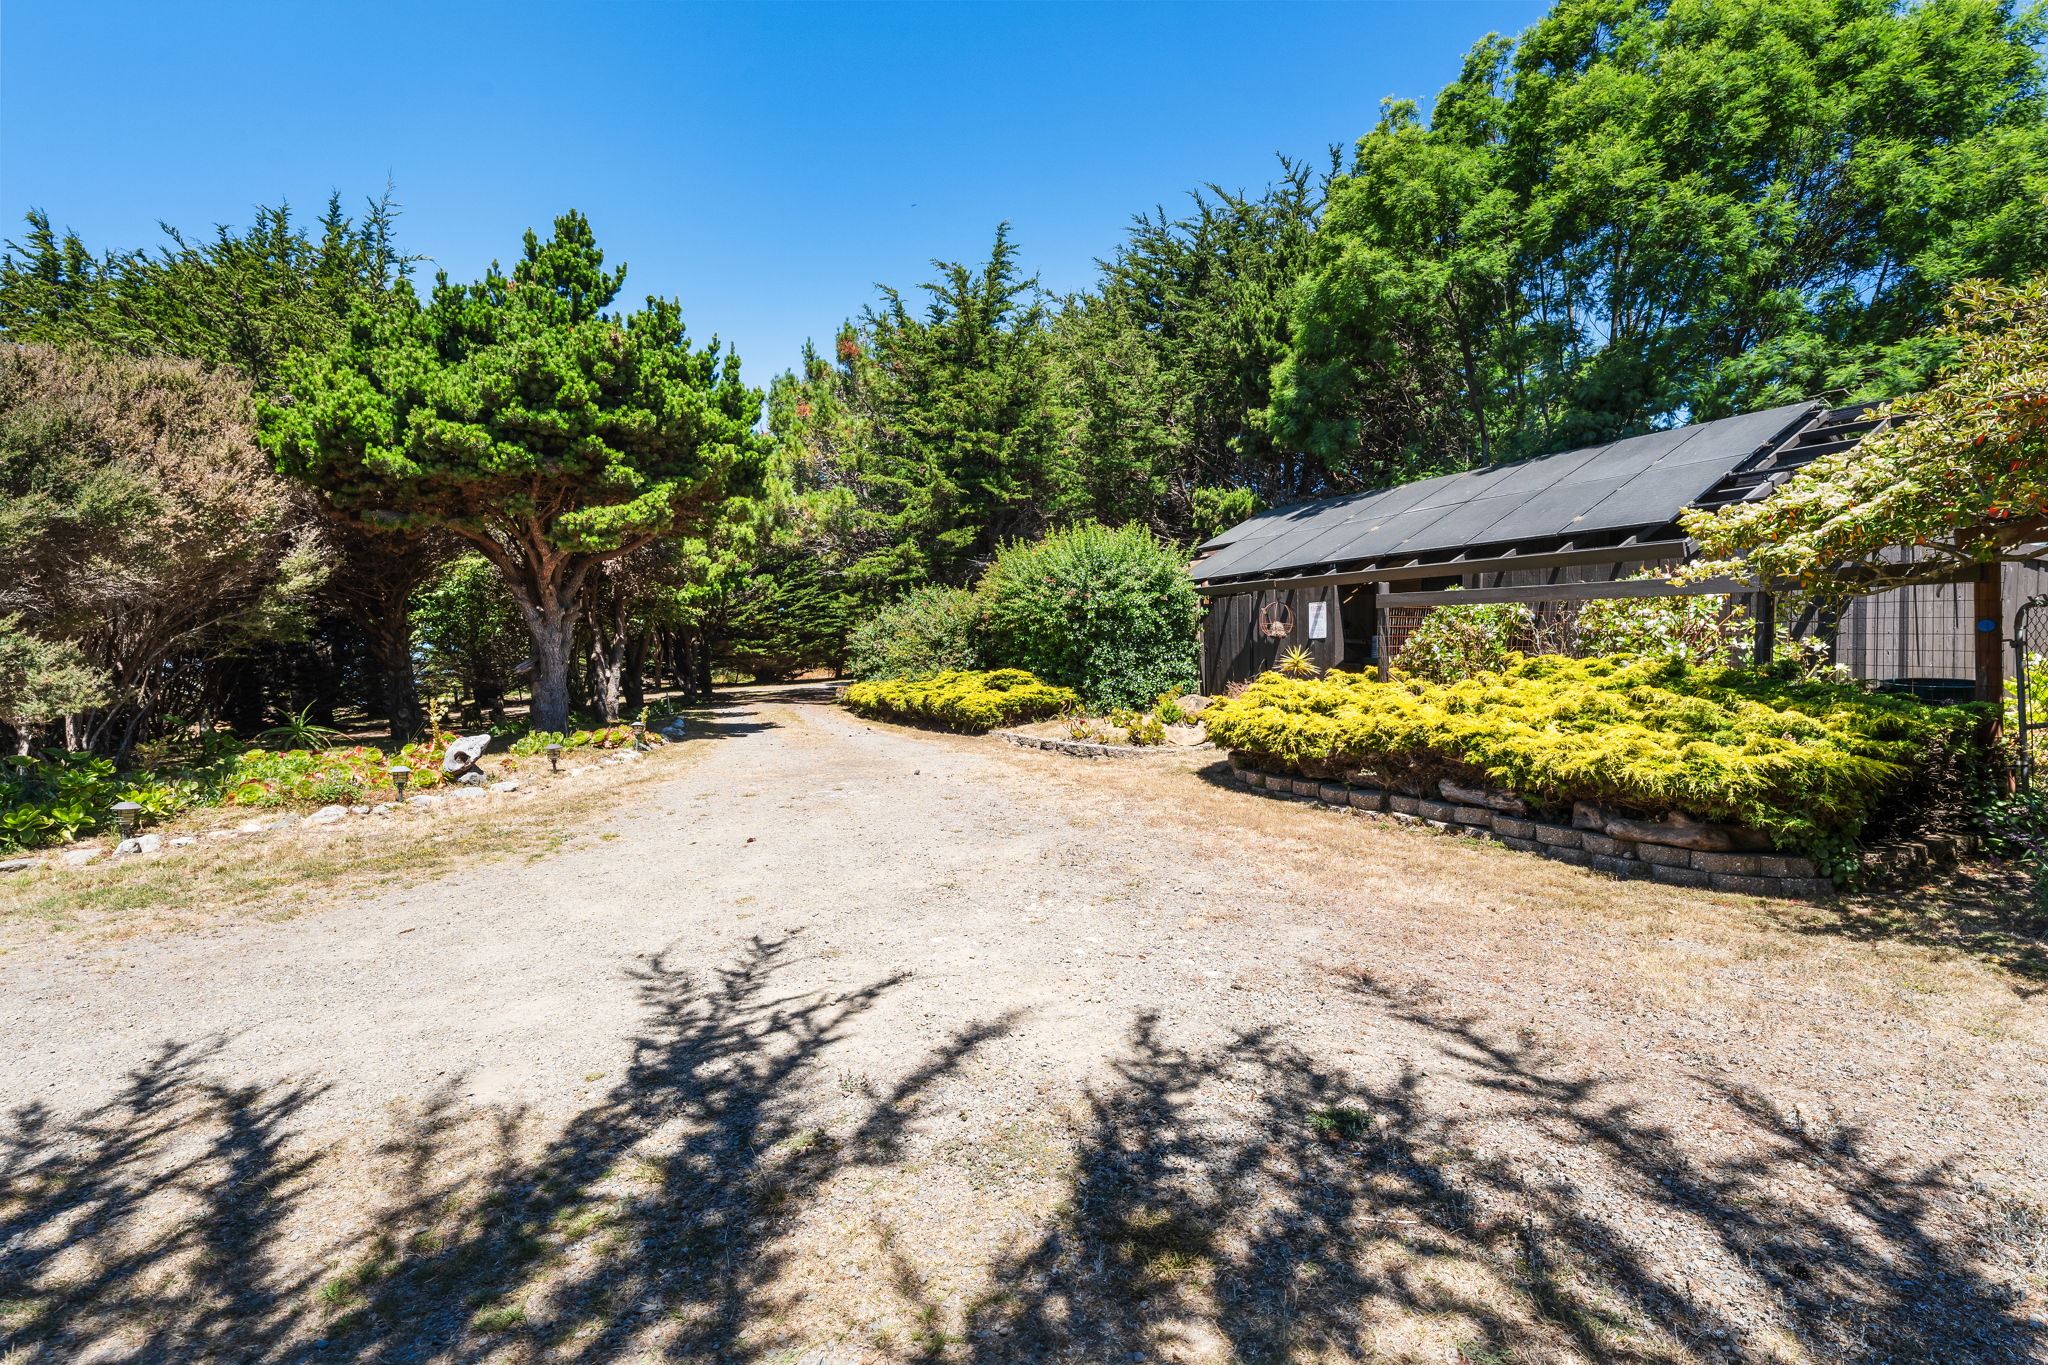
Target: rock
x=383 y=808
x=1675 y=829
x=328 y=815
x=463 y=753
x=81 y=856
x=182 y=840
x=251 y=826
x=424 y=800
x=19 y=864
x=1480 y=796
x=473 y=778
x=508 y=785
x=469 y=791
x=1186 y=736
x=629 y=756
x=224 y=834
x=1194 y=706
x=283 y=822
x=358 y=810
x=147 y=843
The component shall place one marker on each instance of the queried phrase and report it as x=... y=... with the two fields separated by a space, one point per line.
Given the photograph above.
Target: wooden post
x=1379 y=616
x=1764 y=608
x=1988 y=613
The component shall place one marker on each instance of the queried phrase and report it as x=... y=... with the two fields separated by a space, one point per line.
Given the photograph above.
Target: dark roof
x=1638 y=483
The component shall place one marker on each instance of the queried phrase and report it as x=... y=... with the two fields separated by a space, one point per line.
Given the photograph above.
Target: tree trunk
x=635 y=680
x=554 y=638
x=390 y=640
x=608 y=654
x=702 y=654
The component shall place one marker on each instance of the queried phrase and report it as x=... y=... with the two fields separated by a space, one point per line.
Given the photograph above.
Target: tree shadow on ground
x=1243 y=1202
x=653 y=1222
x=1981 y=909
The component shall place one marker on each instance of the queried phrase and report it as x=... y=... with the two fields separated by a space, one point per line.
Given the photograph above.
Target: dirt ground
x=847 y=1042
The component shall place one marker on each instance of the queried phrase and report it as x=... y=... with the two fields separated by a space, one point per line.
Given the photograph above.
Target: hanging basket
x=1276 y=621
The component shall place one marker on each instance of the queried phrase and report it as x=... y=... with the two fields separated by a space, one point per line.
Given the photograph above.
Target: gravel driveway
x=859 y=1043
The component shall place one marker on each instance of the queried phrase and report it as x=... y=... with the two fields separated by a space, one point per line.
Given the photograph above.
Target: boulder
x=328 y=815
x=81 y=856
x=182 y=840
x=147 y=843
x=463 y=753
x=1480 y=796
x=471 y=791
x=19 y=864
x=508 y=785
x=283 y=822
x=475 y=777
x=1676 y=829
x=1194 y=706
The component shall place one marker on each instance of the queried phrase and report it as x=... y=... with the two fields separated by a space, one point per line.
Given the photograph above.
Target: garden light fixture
x=554 y=752
x=399 y=777
x=639 y=730
x=125 y=813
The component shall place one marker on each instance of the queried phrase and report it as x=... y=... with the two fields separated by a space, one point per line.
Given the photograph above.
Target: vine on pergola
x=1961 y=475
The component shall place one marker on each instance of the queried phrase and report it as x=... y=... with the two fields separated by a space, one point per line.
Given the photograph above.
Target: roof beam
x=1570 y=592
x=1626 y=553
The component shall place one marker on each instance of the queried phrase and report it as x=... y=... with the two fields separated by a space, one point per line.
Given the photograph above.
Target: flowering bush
x=339 y=777
x=1458 y=641
x=1699 y=630
x=1964 y=481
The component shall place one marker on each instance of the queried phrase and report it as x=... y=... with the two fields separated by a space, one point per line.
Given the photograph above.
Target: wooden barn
x=1346 y=578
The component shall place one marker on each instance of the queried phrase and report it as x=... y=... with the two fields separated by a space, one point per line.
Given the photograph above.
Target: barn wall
x=1234 y=651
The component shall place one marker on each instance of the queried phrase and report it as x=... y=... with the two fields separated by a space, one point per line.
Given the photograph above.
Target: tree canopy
x=1960 y=476
x=518 y=414
x=1646 y=211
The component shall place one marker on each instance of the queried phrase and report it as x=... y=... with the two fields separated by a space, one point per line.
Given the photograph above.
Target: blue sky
x=767 y=163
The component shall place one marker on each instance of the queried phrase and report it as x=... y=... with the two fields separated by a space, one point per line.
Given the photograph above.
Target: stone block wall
x=1504 y=819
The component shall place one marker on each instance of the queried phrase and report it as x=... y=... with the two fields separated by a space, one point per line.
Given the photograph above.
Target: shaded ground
x=858 y=1044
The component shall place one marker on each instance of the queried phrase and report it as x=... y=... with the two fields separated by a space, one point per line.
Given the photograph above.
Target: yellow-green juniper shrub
x=1806 y=763
x=963 y=700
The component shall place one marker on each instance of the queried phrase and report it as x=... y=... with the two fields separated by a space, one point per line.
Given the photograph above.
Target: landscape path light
x=554 y=752
x=125 y=813
x=399 y=777
x=639 y=729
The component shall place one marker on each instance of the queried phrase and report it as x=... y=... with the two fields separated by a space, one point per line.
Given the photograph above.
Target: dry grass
x=280 y=875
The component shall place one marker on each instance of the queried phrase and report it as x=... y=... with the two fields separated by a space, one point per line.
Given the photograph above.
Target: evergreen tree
x=1643 y=212
x=518 y=414
x=939 y=424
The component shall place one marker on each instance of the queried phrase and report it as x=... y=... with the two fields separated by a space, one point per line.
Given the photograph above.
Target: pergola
x=1558 y=528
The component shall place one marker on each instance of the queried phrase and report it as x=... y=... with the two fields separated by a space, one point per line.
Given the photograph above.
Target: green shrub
x=964 y=701
x=1806 y=763
x=1107 y=611
x=1459 y=641
x=1698 y=630
x=1168 y=710
x=927 y=631
x=59 y=797
x=327 y=777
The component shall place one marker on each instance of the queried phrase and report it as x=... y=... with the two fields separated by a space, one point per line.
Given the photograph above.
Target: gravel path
x=857 y=1043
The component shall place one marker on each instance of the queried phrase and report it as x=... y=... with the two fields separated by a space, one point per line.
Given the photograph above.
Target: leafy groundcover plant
x=963 y=701
x=1808 y=764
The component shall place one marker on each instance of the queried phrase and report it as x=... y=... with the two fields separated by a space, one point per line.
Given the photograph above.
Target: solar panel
x=1639 y=481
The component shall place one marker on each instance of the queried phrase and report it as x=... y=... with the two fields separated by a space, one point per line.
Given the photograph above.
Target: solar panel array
x=1639 y=481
